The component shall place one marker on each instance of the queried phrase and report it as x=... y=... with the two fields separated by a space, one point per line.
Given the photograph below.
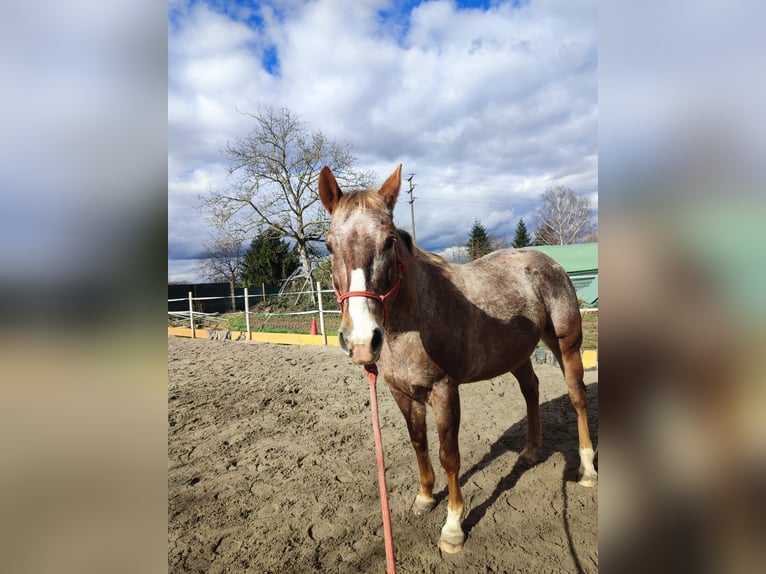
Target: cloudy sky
x=487 y=103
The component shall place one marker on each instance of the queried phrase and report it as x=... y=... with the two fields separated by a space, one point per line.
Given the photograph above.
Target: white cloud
x=214 y=73
x=184 y=270
x=186 y=227
x=487 y=107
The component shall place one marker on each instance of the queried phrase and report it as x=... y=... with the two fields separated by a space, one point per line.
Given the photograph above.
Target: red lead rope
x=372 y=375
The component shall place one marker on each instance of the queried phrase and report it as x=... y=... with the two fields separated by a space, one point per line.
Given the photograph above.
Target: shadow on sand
x=559 y=422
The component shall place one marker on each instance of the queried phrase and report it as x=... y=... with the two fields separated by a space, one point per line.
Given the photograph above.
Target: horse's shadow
x=559 y=424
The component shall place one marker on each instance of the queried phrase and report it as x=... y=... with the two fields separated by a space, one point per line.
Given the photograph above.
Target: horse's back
x=531 y=283
x=526 y=272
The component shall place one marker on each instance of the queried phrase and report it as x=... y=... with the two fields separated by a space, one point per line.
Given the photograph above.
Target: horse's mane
x=407 y=238
x=360 y=199
x=414 y=249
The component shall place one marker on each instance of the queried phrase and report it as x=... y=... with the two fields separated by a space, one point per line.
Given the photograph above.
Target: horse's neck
x=421 y=285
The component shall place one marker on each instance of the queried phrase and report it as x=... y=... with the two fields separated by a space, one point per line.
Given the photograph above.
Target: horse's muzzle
x=362 y=352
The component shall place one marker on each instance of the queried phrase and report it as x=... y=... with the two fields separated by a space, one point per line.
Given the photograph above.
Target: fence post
x=191 y=314
x=321 y=313
x=247 y=313
x=263 y=291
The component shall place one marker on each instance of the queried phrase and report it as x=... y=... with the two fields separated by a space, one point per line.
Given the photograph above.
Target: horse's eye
x=329 y=247
x=389 y=243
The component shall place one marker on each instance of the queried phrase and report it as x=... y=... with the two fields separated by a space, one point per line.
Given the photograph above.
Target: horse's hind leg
x=415 y=415
x=529 y=384
x=566 y=348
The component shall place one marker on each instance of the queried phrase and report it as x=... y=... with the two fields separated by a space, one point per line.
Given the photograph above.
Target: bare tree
x=458 y=253
x=222 y=259
x=273 y=173
x=497 y=242
x=544 y=235
x=564 y=218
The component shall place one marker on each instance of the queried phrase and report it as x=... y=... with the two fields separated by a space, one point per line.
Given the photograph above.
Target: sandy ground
x=271 y=468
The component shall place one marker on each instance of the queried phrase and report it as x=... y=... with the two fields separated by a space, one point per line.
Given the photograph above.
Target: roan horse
x=431 y=325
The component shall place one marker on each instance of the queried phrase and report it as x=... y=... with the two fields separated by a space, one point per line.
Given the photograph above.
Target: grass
x=262 y=323
x=590 y=330
x=236 y=321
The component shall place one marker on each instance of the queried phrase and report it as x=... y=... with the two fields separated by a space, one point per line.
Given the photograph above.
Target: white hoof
x=587 y=473
x=451 y=545
x=452 y=537
x=588 y=479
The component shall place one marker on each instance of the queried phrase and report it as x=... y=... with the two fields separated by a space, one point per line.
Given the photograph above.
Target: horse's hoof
x=451 y=546
x=529 y=456
x=422 y=505
x=452 y=535
x=588 y=480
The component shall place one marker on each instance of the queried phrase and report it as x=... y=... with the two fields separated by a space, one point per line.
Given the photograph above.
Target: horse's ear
x=329 y=191
x=389 y=191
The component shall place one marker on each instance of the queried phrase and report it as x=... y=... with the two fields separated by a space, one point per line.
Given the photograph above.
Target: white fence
x=316 y=295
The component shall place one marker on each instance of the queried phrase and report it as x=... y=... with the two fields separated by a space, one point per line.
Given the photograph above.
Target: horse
x=431 y=325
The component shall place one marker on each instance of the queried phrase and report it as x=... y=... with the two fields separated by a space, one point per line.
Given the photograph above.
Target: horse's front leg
x=445 y=401
x=415 y=414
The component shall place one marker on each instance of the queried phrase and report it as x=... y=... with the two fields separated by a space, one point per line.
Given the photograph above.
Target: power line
x=509 y=204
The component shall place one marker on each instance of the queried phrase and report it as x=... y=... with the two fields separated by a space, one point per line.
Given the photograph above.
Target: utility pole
x=412 y=207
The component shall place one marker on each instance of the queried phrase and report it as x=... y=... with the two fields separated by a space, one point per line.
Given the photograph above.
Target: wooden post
x=247 y=313
x=263 y=291
x=321 y=313
x=191 y=314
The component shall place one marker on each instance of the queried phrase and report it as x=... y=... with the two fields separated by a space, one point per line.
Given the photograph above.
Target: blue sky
x=488 y=103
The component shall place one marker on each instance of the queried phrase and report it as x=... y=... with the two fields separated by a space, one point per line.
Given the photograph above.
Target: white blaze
x=364 y=322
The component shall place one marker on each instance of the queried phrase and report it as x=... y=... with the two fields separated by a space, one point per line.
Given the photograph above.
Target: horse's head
x=366 y=263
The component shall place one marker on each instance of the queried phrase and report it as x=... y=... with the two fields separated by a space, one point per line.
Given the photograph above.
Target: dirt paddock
x=271 y=468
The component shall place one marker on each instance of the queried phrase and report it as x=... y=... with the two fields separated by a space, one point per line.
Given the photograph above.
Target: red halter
x=401 y=266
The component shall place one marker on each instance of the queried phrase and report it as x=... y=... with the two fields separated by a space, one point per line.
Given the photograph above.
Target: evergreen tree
x=268 y=260
x=522 y=238
x=478 y=241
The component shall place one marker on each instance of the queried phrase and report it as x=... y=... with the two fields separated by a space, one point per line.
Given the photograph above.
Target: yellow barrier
x=277 y=338
x=590 y=359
